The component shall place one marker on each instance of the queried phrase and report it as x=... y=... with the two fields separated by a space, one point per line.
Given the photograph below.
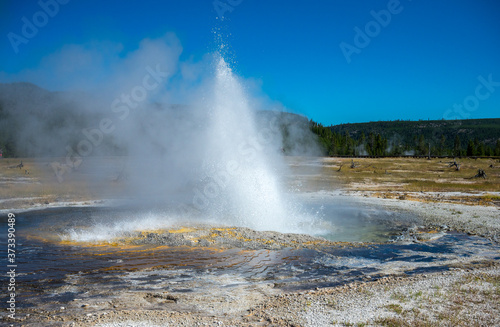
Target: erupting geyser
x=241 y=161
x=211 y=161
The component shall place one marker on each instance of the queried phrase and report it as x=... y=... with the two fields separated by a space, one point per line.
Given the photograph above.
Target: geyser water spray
x=242 y=165
x=249 y=193
x=224 y=168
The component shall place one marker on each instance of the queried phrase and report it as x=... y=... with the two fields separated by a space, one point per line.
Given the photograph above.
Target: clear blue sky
x=419 y=65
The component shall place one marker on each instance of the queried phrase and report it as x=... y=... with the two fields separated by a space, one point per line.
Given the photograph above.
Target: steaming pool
x=74 y=253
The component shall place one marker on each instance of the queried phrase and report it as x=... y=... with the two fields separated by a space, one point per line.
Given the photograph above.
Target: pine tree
x=370 y=144
x=362 y=139
x=480 y=151
x=471 y=149
x=442 y=145
x=422 y=146
x=457 y=147
x=349 y=144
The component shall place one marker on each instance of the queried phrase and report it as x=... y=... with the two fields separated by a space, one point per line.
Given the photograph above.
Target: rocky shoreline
x=479 y=220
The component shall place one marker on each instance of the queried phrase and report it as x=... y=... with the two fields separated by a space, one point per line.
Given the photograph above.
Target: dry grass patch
x=416 y=175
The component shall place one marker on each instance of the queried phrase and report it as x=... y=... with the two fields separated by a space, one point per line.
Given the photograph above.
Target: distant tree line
x=479 y=137
x=25 y=119
x=7 y=144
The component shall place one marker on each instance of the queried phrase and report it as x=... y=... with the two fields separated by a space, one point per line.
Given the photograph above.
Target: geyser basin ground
x=207 y=271
x=119 y=266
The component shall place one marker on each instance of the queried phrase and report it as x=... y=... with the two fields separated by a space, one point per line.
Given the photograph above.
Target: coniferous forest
x=472 y=137
x=27 y=112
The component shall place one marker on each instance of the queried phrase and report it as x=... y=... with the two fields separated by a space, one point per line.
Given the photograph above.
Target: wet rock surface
x=251 y=278
x=228 y=237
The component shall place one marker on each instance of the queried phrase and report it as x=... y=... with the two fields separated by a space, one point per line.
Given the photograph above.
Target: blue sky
x=430 y=60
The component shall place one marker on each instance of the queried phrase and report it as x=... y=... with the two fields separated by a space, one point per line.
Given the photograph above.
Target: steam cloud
x=212 y=154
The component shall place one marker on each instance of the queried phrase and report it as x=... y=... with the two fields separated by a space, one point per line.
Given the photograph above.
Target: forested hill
x=471 y=137
x=35 y=122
